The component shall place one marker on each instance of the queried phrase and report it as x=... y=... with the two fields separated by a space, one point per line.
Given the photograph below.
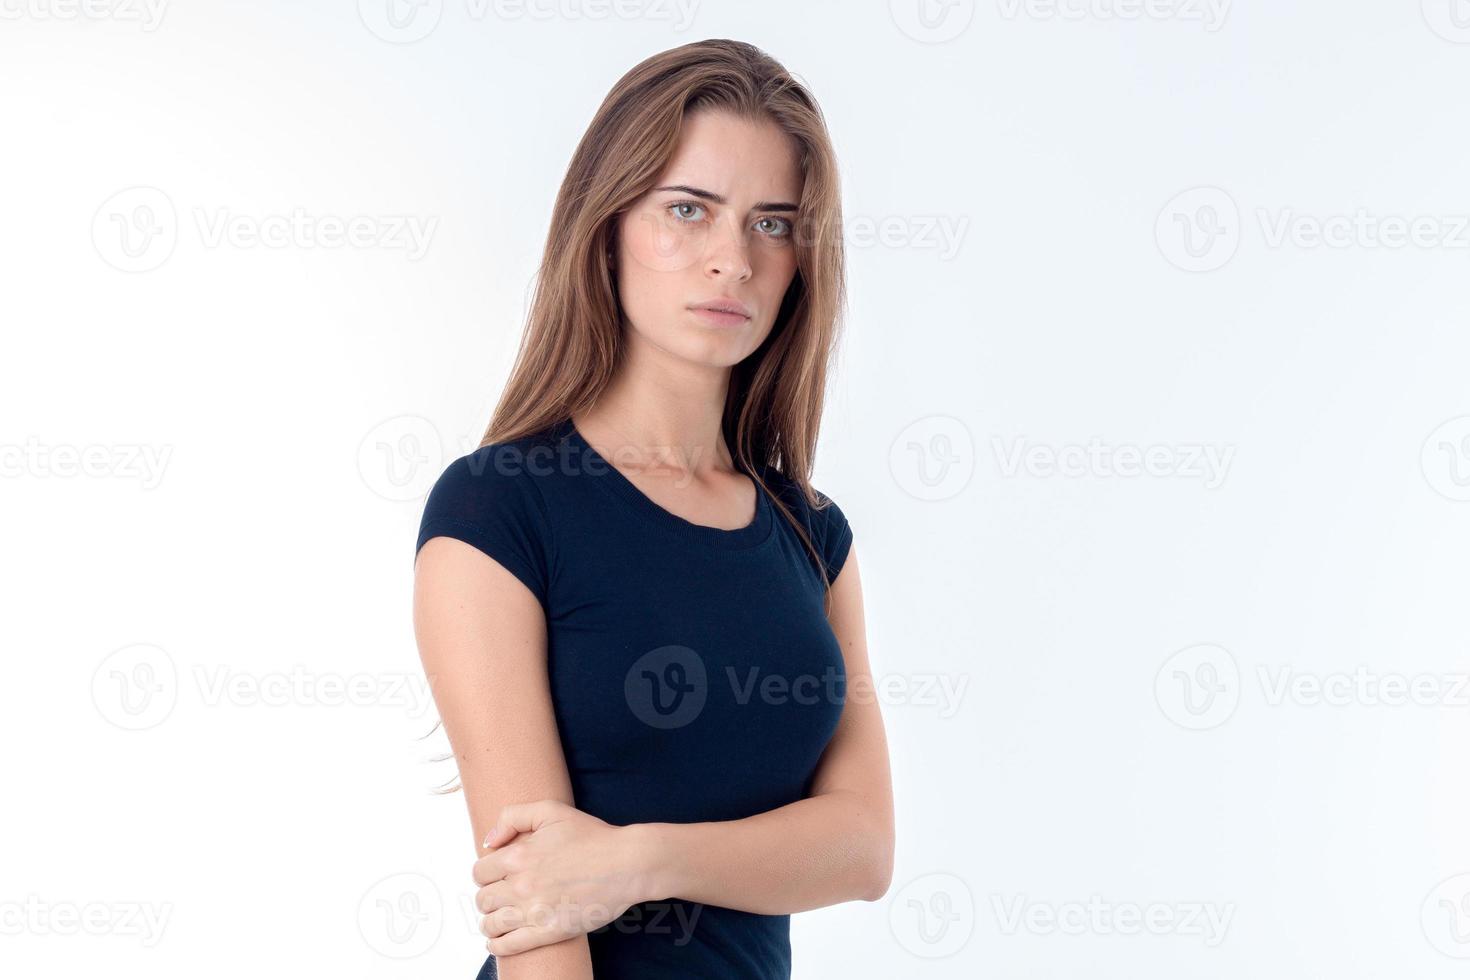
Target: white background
x=1129 y=195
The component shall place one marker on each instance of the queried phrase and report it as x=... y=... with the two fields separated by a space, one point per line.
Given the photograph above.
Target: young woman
x=640 y=619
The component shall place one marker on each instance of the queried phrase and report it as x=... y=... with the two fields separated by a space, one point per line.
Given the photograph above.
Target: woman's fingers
x=498 y=864
x=520 y=940
x=503 y=920
x=493 y=896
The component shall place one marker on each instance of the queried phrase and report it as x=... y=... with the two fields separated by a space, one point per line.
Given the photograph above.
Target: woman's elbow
x=880 y=863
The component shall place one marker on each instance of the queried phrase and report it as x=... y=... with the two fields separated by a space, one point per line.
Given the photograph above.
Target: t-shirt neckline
x=752 y=534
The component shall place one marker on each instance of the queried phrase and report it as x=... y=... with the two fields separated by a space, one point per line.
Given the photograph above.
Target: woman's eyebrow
x=717 y=199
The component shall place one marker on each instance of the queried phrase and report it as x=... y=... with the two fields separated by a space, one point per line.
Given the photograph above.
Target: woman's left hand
x=554 y=872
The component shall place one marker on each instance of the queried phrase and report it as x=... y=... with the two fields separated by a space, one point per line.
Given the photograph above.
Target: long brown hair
x=573 y=338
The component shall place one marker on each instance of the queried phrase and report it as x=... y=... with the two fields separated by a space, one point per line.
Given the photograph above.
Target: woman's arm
x=835 y=846
x=482 y=638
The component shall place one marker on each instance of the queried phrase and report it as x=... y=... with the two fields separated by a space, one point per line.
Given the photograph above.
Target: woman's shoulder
x=489 y=499
x=791 y=492
x=824 y=517
x=494 y=478
x=823 y=520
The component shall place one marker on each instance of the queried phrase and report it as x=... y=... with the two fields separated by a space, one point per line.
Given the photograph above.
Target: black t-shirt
x=693 y=672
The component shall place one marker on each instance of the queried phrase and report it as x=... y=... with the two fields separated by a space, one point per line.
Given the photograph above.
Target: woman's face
x=718 y=227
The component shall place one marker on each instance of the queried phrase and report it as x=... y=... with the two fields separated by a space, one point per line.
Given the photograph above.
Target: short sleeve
x=834 y=536
x=495 y=508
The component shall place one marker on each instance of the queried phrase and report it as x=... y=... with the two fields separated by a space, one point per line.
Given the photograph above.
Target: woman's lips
x=719 y=318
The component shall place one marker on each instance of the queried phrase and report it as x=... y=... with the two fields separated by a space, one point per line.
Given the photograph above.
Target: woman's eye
x=689 y=212
x=775 y=227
